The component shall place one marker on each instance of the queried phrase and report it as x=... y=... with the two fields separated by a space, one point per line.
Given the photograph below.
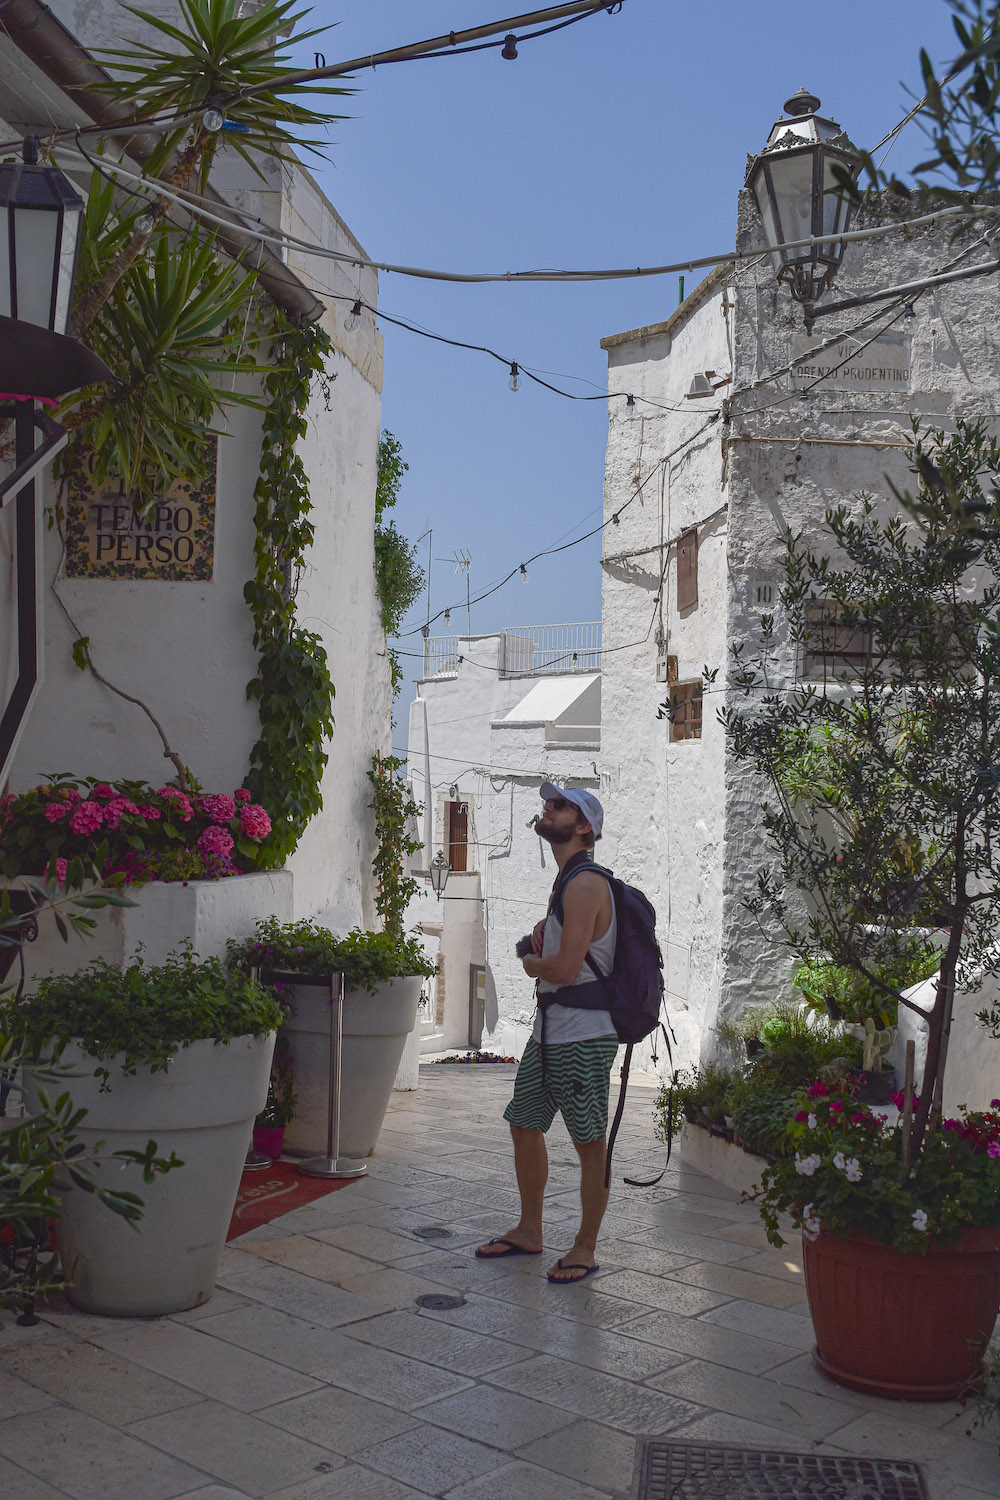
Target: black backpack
x=633 y=991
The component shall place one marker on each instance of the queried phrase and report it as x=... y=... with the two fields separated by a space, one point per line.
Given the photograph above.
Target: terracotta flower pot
x=906 y=1326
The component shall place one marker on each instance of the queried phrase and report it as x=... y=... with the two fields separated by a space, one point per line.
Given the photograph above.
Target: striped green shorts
x=575 y=1084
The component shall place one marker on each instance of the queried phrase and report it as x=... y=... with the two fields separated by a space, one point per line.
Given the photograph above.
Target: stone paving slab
x=312 y=1374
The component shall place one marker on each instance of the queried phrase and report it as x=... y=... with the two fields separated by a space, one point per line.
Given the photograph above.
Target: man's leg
x=594 y=1201
x=531 y=1163
x=529 y=1114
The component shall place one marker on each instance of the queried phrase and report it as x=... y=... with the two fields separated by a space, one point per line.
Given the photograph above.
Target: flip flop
x=512 y=1249
x=584 y=1271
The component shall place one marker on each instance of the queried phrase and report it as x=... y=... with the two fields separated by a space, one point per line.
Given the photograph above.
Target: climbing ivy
x=398 y=577
x=393 y=807
x=293 y=689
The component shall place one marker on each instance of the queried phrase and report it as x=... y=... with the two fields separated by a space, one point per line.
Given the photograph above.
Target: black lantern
x=800 y=197
x=39 y=233
x=440 y=870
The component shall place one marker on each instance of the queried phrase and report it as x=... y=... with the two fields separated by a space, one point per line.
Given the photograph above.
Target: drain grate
x=696 y=1471
x=433 y=1232
x=441 y=1302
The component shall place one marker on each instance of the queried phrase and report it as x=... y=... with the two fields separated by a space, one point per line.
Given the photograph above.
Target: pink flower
x=216 y=841
x=71 y=794
x=993 y=1149
x=254 y=821
x=87 y=818
x=836 y=1107
x=219 y=806
x=60 y=872
x=995 y=1104
x=817 y=1091
x=103 y=790
x=149 y=812
x=181 y=804
x=56 y=810
x=241 y=794
x=801 y=1117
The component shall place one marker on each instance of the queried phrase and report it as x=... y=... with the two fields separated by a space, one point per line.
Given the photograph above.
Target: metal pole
x=333 y=1164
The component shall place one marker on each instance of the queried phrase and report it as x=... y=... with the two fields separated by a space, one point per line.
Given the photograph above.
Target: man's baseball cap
x=585 y=801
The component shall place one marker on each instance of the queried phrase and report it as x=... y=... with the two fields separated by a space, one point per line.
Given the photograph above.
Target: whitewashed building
x=738 y=436
x=494 y=717
x=185 y=646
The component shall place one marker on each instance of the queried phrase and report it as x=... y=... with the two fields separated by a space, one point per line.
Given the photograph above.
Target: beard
x=551 y=834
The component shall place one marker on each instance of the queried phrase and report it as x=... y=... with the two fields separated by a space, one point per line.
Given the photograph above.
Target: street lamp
x=800 y=198
x=440 y=870
x=39 y=231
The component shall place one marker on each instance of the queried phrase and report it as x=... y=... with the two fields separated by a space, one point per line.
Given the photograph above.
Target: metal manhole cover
x=696 y=1471
x=433 y=1232
x=440 y=1302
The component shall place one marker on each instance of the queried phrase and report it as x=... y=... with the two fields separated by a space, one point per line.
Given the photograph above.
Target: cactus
x=876 y=1045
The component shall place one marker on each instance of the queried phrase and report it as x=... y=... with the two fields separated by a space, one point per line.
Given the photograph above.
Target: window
x=687 y=570
x=833 y=648
x=458 y=835
x=685 y=711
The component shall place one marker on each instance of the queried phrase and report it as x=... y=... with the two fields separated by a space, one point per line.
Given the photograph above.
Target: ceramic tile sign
x=853 y=365
x=171 y=539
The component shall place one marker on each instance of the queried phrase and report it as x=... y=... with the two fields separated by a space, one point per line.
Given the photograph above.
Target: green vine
x=393 y=807
x=293 y=688
x=398 y=577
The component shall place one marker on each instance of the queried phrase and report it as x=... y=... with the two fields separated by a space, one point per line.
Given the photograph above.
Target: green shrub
x=843 y=994
x=701 y=1095
x=367 y=958
x=145 y=1013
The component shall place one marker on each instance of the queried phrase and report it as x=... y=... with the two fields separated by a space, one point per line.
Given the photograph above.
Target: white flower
x=811 y=1122
x=852 y=1170
x=839 y=1162
x=919 y=1220
x=810 y=1223
x=806 y=1165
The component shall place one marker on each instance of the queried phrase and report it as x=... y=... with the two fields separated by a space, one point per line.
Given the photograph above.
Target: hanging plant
x=393 y=807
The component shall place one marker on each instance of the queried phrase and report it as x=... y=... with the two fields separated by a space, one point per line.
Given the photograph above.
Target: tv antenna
x=463 y=564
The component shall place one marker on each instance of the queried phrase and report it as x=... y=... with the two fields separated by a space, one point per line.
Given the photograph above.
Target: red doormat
x=266 y=1193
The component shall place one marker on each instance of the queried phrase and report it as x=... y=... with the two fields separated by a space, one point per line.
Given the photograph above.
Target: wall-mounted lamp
x=440 y=870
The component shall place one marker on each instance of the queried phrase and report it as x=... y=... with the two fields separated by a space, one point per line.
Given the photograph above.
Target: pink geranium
x=181 y=805
x=87 y=818
x=254 y=821
x=219 y=806
x=71 y=794
x=216 y=841
x=113 y=811
x=149 y=812
x=53 y=811
x=241 y=794
x=103 y=791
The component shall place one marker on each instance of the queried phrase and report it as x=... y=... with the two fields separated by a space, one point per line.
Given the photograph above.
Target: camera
x=523 y=946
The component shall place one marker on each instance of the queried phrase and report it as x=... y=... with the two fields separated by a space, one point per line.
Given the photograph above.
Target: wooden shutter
x=458 y=835
x=687 y=570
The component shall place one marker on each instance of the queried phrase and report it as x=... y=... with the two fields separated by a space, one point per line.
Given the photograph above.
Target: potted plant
x=383 y=978
x=279 y=1107
x=909 y=797
x=179 y=1054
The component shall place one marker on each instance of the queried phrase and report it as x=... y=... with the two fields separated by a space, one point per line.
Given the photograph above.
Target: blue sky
x=619 y=141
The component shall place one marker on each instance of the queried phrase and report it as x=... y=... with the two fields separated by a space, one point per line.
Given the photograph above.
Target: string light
x=447 y=617
x=213 y=119
x=509 y=47
x=524 y=574
x=630 y=403
x=515 y=378
x=353 y=319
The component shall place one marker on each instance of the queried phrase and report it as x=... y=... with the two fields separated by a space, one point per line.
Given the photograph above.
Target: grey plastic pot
x=202 y=1108
x=375 y=1031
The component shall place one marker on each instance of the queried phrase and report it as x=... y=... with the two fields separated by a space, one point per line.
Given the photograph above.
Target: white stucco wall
x=185 y=648
x=663 y=800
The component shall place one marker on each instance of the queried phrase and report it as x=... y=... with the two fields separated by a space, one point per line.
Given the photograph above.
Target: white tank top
x=569 y=1023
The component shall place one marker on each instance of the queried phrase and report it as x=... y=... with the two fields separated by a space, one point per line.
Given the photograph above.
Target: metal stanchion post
x=333 y=1164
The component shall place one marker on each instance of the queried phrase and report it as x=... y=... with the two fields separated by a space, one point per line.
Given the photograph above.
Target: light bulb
x=353 y=319
x=145 y=224
x=615 y=518
x=515 y=378
x=524 y=574
x=212 y=119
x=630 y=403
x=509 y=47
x=447 y=617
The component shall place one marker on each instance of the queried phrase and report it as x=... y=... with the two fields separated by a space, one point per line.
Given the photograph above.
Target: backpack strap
x=634 y=1181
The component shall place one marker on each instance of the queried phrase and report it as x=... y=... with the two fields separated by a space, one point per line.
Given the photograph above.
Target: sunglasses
x=557 y=804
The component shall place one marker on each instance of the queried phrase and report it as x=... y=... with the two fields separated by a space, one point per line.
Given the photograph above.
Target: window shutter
x=687 y=570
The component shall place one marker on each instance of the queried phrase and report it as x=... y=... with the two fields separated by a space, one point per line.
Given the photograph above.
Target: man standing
x=567 y=1063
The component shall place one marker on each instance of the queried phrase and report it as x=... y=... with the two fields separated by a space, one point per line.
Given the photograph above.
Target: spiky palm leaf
x=214 y=56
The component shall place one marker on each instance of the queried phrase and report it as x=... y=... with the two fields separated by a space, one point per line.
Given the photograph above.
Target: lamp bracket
x=54 y=440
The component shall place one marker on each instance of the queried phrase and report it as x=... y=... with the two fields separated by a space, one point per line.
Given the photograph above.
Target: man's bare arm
x=582 y=906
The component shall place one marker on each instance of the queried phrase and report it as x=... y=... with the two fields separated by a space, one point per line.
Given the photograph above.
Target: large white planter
x=202 y=1108
x=375 y=1031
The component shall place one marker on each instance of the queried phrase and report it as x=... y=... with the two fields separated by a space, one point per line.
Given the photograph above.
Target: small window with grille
x=833 y=647
x=685 y=711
